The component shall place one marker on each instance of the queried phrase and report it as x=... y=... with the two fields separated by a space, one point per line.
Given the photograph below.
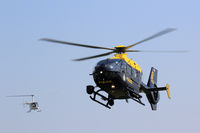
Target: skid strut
x=135 y=97
x=95 y=93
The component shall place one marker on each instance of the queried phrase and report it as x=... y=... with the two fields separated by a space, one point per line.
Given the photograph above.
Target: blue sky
x=29 y=66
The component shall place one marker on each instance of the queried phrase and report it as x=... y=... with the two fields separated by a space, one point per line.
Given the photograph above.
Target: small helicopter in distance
x=120 y=77
x=32 y=105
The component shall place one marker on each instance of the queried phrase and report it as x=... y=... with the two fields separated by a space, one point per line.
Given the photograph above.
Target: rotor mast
x=32 y=98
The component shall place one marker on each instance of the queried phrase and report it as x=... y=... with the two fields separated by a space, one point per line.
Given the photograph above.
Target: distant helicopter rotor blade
x=95 y=56
x=152 y=37
x=74 y=44
x=158 y=51
x=21 y=96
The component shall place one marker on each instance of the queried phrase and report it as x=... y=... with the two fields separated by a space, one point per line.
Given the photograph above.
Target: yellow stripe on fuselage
x=129 y=80
x=129 y=61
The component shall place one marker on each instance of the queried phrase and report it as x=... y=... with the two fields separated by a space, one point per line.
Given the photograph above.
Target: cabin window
x=129 y=69
x=108 y=61
x=138 y=74
x=102 y=62
x=123 y=66
x=134 y=73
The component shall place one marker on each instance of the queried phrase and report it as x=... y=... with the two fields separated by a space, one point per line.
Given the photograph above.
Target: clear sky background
x=30 y=66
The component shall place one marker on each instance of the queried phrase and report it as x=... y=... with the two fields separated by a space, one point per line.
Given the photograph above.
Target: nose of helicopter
x=103 y=68
x=104 y=72
x=108 y=65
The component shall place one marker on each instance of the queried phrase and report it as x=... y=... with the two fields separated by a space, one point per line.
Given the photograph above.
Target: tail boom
x=152 y=91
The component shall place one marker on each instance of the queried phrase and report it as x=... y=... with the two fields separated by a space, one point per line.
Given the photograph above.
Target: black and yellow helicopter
x=120 y=77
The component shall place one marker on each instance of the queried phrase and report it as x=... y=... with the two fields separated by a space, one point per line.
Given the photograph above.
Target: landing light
x=113 y=86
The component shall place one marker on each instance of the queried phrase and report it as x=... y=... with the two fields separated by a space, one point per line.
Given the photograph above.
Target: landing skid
x=109 y=100
x=136 y=98
x=105 y=105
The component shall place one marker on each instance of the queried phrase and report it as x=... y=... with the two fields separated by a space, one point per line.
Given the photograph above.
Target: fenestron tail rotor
x=118 y=49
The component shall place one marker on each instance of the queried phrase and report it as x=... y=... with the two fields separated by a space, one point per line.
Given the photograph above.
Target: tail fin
x=152 y=82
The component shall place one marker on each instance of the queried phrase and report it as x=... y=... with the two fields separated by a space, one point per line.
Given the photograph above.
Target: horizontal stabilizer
x=162 y=89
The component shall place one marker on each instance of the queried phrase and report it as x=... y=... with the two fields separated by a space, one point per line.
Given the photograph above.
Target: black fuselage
x=117 y=77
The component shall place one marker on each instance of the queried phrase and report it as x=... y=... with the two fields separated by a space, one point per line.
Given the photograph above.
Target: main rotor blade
x=152 y=37
x=74 y=44
x=21 y=96
x=158 y=51
x=95 y=56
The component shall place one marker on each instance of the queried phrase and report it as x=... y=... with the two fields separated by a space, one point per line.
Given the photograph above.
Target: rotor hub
x=120 y=49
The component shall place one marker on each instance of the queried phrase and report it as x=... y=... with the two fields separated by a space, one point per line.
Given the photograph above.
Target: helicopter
x=120 y=77
x=32 y=105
